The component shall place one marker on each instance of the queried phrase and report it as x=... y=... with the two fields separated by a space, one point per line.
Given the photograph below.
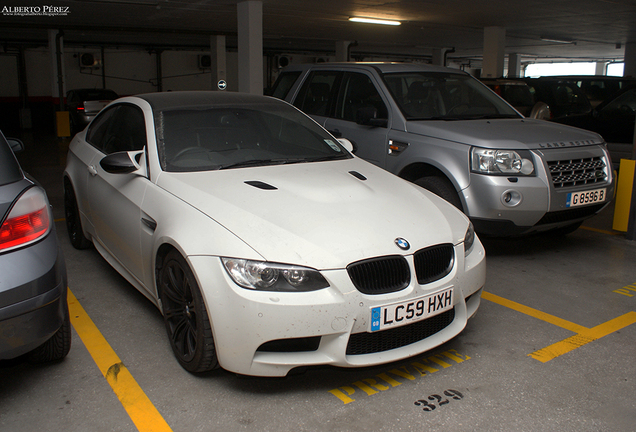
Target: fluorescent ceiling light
x=562 y=41
x=375 y=21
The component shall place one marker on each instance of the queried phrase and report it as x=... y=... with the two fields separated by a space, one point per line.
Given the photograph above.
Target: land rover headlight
x=502 y=162
x=266 y=276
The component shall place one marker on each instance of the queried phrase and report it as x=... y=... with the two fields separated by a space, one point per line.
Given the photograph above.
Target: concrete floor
x=545 y=296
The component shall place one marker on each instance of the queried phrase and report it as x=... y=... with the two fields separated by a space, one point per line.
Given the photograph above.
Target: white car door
x=115 y=198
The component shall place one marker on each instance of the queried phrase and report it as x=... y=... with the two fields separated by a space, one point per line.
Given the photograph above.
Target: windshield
x=445 y=96
x=213 y=138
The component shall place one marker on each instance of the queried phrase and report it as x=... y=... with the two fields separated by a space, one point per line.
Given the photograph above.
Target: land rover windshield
x=445 y=96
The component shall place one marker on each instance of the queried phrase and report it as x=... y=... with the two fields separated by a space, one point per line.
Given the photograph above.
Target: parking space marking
x=140 y=409
x=533 y=312
x=578 y=340
x=614 y=233
x=582 y=337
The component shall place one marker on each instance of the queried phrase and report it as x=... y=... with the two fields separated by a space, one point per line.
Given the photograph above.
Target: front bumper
x=269 y=333
x=508 y=205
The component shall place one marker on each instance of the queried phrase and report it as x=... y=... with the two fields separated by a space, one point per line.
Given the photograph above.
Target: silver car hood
x=319 y=214
x=505 y=133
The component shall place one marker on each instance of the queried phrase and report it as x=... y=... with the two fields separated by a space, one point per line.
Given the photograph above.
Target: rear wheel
x=55 y=348
x=73 y=221
x=185 y=315
x=441 y=187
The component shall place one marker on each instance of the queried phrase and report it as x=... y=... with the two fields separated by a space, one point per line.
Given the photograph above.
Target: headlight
x=265 y=276
x=504 y=162
x=469 y=239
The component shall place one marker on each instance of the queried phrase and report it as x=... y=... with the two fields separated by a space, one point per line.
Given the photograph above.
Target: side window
x=317 y=93
x=129 y=131
x=359 y=92
x=99 y=132
x=120 y=128
x=284 y=83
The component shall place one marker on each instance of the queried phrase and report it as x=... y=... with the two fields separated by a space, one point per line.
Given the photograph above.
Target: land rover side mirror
x=368 y=116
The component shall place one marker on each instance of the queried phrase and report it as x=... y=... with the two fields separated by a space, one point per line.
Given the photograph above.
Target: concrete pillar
x=494 y=52
x=56 y=53
x=514 y=65
x=250 y=46
x=342 y=51
x=438 y=56
x=630 y=60
x=218 y=63
x=601 y=68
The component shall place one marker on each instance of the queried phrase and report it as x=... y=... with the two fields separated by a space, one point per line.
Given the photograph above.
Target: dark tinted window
x=9 y=168
x=284 y=83
x=358 y=93
x=120 y=128
x=316 y=94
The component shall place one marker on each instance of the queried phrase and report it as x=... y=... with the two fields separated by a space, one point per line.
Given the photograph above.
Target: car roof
x=377 y=66
x=183 y=99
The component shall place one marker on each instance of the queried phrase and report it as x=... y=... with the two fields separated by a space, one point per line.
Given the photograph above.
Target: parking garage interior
x=552 y=344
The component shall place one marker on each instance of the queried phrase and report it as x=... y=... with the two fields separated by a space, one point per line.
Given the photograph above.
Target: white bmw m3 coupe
x=264 y=242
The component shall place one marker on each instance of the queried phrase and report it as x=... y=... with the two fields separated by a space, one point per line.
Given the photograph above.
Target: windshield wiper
x=253 y=162
x=327 y=158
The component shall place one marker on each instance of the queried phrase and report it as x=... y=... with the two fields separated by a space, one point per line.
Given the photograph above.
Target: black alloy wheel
x=73 y=221
x=185 y=315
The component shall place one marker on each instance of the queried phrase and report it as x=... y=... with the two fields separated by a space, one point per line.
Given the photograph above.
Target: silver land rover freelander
x=445 y=131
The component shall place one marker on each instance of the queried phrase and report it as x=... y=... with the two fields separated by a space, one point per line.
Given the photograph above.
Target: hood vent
x=261 y=185
x=357 y=175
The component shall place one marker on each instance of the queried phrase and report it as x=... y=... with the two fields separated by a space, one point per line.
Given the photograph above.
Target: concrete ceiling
x=597 y=29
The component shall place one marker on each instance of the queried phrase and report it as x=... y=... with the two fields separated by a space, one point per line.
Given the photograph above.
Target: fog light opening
x=511 y=198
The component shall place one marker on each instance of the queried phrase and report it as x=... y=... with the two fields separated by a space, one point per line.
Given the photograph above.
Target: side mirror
x=347 y=144
x=16 y=145
x=368 y=116
x=122 y=162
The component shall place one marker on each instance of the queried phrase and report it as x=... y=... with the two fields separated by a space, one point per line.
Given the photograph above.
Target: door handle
x=92 y=170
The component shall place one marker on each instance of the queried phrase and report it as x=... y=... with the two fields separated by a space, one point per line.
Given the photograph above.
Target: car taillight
x=80 y=107
x=28 y=220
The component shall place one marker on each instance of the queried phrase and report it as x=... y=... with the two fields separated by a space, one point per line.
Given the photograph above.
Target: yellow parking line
x=585 y=337
x=614 y=233
x=140 y=409
x=533 y=313
x=582 y=337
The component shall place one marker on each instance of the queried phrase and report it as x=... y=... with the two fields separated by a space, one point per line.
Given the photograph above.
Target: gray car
x=34 y=316
x=447 y=132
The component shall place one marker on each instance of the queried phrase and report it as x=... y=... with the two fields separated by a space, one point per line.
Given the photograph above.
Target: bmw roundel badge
x=402 y=243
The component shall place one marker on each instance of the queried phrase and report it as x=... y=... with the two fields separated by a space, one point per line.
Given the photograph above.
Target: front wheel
x=185 y=315
x=441 y=187
x=73 y=221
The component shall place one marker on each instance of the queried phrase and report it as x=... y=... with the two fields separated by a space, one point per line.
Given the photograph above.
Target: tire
x=185 y=315
x=73 y=220
x=56 y=348
x=441 y=187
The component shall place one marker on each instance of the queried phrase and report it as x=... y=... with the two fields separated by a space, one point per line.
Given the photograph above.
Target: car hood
x=505 y=133
x=323 y=215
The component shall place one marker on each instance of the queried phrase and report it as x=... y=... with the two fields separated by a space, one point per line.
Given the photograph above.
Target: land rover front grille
x=577 y=172
x=397 y=337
